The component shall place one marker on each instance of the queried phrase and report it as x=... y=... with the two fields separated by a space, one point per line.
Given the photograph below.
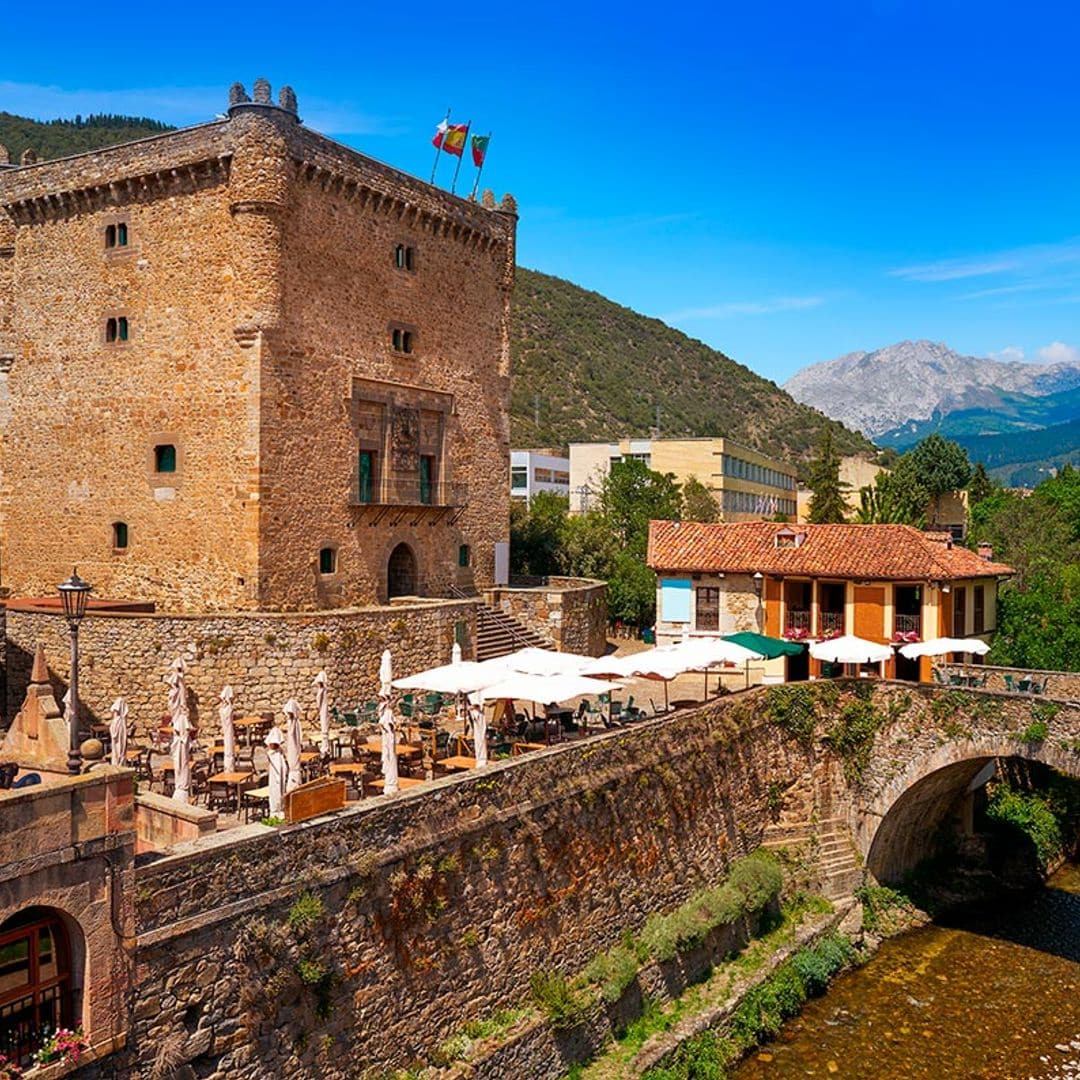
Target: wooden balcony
x=413 y=499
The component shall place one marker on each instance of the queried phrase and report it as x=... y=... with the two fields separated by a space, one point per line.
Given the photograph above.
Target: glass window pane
x=165 y=458
x=14 y=964
x=121 y=235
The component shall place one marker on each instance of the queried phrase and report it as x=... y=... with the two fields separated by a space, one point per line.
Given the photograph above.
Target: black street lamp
x=73 y=595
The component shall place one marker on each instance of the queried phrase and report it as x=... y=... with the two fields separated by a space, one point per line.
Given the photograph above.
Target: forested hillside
x=60 y=138
x=599 y=371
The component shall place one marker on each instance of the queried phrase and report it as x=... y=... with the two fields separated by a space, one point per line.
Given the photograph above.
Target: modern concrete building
x=746 y=484
x=532 y=471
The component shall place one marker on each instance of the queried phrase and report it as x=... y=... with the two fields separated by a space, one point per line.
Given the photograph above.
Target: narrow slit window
x=165 y=458
x=119 y=536
x=121 y=234
x=110 y=330
x=110 y=236
x=463 y=555
x=396 y=340
x=401 y=340
x=122 y=328
x=327 y=560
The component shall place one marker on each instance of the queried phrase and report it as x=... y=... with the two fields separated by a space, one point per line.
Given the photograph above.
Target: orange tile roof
x=868 y=552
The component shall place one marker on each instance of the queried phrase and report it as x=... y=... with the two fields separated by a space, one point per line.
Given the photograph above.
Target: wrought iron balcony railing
x=407 y=493
x=830 y=622
x=908 y=624
x=797 y=622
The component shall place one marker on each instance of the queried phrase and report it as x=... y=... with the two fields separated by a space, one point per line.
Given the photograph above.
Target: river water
x=996 y=995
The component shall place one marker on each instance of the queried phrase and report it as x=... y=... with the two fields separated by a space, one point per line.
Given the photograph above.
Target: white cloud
x=1009 y=353
x=1033 y=261
x=180 y=105
x=730 y=309
x=1057 y=352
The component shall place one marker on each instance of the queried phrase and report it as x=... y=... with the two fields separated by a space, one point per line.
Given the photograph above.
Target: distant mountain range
x=1019 y=419
x=880 y=392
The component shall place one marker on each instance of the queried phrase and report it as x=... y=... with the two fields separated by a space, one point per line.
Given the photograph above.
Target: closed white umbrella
x=322 y=707
x=388 y=734
x=228 y=732
x=479 y=731
x=181 y=740
x=277 y=772
x=455 y=654
x=386 y=673
x=849 y=649
x=118 y=733
x=294 y=742
x=943 y=646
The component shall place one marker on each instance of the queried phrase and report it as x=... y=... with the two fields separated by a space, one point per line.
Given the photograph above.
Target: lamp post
x=73 y=595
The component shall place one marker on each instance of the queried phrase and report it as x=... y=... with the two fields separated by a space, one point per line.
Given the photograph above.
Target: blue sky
x=786 y=181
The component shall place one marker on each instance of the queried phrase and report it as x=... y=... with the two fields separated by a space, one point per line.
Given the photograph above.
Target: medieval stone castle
x=248 y=368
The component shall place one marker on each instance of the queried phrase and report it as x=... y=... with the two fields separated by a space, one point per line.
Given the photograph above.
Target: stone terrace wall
x=571 y=613
x=267 y=657
x=1059 y=684
x=440 y=904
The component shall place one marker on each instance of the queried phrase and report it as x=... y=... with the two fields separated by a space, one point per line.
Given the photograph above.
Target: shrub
x=613 y=971
x=305 y=913
x=792 y=708
x=879 y=901
x=852 y=737
x=1031 y=815
x=1035 y=733
x=563 y=1006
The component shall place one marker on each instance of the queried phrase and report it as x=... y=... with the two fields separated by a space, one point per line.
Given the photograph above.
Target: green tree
x=699 y=504
x=631 y=496
x=588 y=548
x=941 y=466
x=536 y=533
x=827 y=505
x=631 y=590
x=980 y=487
x=895 y=497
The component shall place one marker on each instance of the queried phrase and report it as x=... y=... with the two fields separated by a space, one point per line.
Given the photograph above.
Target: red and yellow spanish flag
x=451 y=137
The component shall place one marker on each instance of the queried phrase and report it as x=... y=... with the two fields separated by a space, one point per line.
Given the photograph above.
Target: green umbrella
x=769 y=647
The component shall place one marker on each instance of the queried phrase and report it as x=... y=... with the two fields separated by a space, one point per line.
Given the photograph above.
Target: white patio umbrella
x=228 y=732
x=294 y=741
x=461 y=678
x=386 y=673
x=118 y=731
x=544 y=689
x=181 y=740
x=388 y=733
x=455 y=653
x=943 y=646
x=277 y=769
x=532 y=661
x=849 y=649
x=322 y=707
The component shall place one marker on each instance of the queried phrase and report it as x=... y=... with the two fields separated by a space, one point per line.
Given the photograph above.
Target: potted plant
x=9 y=1069
x=64 y=1044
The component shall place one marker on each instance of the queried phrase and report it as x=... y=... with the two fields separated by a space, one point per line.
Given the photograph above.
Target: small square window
x=463 y=555
x=119 y=536
x=327 y=560
x=165 y=458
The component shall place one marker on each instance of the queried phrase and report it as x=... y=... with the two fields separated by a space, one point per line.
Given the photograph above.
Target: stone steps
x=498 y=634
x=834 y=853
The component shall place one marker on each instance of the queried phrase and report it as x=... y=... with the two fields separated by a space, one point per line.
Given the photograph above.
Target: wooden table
x=256 y=795
x=459 y=762
x=227 y=780
x=403 y=782
x=251 y=726
x=520 y=748
x=404 y=750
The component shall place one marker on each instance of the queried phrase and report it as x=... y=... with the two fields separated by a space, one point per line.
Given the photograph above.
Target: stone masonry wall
x=267 y=658
x=570 y=613
x=438 y=905
x=258 y=285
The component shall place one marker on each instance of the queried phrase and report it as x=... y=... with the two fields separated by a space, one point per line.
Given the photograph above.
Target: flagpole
x=483 y=162
x=453 y=185
x=438 y=149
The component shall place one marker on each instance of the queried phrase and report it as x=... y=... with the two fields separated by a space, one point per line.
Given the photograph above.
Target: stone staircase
x=498 y=634
x=830 y=849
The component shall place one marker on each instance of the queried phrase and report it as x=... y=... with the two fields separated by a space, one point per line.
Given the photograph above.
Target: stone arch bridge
x=892 y=763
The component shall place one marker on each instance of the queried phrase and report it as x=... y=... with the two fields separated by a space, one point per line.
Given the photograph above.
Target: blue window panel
x=675 y=599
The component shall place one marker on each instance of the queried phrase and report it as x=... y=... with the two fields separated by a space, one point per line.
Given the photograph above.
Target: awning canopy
x=769 y=647
x=944 y=645
x=849 y=649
